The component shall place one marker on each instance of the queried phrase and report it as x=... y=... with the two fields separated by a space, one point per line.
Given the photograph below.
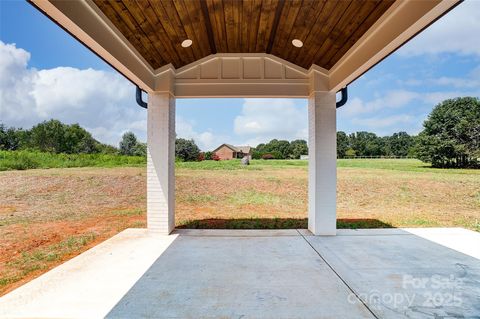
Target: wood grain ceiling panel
x=328 y=28
x=362 y=28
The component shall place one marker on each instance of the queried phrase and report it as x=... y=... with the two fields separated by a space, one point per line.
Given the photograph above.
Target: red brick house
x=228 y=152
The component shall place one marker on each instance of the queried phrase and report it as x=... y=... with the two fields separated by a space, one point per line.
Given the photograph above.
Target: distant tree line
x=450 y=138
x=348 y=145
x=369 y=144
x=280 y=149
x=52 y=136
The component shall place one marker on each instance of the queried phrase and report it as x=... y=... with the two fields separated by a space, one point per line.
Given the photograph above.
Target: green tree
x=282 y=147
x=140 y=149
x=107 y=149
x=186 y=150
x=343 y=144
x=48 y=136
x=78 y=140
x=128 y=144
x=11 y=139
x=350 y=153
x=451 y=134
x=54 y=136
x=399 y=144
x=367 y=144
x=298 y=148
x=257 y=154
x=258 y=151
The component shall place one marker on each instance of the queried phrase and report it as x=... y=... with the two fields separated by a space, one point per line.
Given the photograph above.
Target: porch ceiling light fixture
x=186 y=43
x=297 y=43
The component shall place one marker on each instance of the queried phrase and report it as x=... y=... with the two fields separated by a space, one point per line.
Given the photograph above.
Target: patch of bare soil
x=49 y=216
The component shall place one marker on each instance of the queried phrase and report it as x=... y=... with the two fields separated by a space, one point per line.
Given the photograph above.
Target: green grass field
x=405 y=165
x=22 y=160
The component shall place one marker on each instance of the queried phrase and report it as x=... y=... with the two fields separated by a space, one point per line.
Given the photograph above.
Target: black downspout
x=139 y=98
x=344 y=98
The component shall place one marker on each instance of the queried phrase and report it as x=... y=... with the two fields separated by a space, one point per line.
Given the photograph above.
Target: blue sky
x=45 y=73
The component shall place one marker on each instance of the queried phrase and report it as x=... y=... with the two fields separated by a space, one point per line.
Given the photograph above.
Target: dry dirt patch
x=49 y=216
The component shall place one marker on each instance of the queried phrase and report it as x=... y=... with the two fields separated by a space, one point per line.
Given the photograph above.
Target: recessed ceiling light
x=186 y=43
x=297 y=43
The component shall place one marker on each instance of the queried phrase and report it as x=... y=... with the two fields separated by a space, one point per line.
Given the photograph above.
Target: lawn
x=22 y=160
x=50 y=215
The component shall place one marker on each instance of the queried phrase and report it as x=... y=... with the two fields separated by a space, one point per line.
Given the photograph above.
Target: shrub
x=208 y=155
x=215 y=157
x=350 y=152
x=201 y=156
x=128 y=144
x=257 y=154
x=20 y=160
x=140 y=149
x=268 y=156
x=187 y=150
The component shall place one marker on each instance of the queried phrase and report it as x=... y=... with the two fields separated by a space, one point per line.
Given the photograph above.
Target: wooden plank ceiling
x=328 y=28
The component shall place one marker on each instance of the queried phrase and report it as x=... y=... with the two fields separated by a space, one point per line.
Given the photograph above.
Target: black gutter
x=139 y=98
x=344 y=98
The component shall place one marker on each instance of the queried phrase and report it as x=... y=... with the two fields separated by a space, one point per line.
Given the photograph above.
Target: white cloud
x=469 y=82
x=456 y=82
x=392 y=99
x=206 y=140
x=456 y=32
x=102 y=102
x=382 y=122
x=402 y=98
x=264 y=119
x=433 y=98
x=387 y=125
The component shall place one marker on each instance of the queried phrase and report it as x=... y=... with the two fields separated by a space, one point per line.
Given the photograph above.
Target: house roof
x=243 y=149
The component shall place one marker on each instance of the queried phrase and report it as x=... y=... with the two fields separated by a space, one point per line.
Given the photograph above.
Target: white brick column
x=161 y=162
x=322 y=165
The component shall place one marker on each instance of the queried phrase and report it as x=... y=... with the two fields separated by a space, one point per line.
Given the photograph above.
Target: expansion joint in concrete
x=339 y=277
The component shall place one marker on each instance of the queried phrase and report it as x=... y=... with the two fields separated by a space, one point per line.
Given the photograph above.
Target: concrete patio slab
x=386 y=273
x=402 y=274
x=236 y=232
x=239 y=277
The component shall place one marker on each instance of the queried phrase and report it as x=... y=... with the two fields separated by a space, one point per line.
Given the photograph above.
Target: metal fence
x=378 y=157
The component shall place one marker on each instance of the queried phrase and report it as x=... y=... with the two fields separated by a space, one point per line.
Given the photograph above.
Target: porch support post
x=161 y=162
x=322 y=165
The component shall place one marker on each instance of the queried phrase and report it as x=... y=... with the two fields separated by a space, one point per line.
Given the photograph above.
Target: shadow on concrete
x=393 y=272
x=277 y=223
x=239 y=277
